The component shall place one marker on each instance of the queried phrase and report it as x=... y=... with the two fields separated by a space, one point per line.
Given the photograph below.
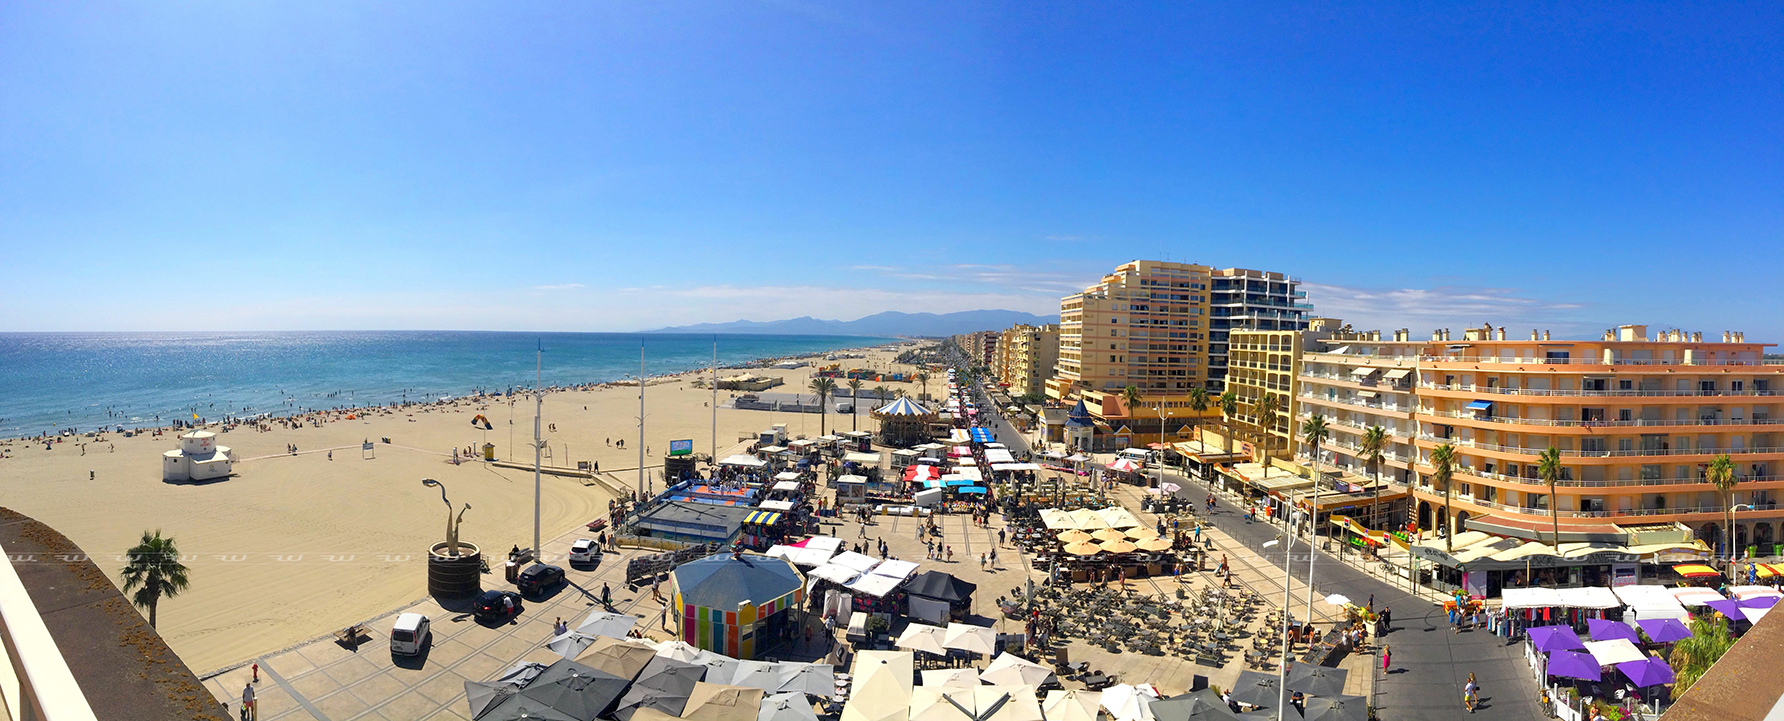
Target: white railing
x=1600 y=361
x=1633 y=453
x=1637 y=423
x=1390 y=407
x=40 y=686
x=1501 y=390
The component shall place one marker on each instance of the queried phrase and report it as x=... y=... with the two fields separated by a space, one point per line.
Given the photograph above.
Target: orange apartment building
x=1637 y=420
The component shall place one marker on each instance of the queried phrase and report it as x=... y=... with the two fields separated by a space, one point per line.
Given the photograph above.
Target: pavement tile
x=342 y=705
x=314 y=685
x=512 y=646
x=411 y=705
x=380 y=687
x=451 y=713
x=444 y=687
x=352 y=670
x=481 y=666
x=290 y=663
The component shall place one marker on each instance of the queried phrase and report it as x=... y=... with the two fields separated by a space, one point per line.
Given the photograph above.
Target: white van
x=409 y=636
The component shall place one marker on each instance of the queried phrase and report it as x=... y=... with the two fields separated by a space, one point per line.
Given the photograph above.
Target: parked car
x=409 y=635
x=584 y=551
x=538 y=577
x=496 y=605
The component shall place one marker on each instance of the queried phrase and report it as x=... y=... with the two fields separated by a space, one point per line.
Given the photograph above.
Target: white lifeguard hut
x=198 y=458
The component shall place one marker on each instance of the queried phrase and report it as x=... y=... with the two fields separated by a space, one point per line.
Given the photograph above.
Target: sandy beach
x=294 y=546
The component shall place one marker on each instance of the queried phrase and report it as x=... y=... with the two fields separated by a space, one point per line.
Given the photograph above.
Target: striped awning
x=765 y=518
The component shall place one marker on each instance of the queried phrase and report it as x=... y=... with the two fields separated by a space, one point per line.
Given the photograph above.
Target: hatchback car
x=496 y=605
x=538 y=577
x=584 y=551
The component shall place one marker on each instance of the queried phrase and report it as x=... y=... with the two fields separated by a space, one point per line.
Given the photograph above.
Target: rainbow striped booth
x=735 y=604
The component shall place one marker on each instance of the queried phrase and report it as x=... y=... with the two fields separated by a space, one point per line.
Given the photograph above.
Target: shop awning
x=1480 y=406
x=786 y=486
x=971 y=489
x=1530 y=597
x=765 y=518
x=1596 y=597
x=1397 y=374
x=777 y=505
x=872 y=459
x=1367 y=394
x=1695 y=570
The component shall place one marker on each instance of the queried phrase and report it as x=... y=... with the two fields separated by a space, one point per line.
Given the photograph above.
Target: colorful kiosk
x=736 y=604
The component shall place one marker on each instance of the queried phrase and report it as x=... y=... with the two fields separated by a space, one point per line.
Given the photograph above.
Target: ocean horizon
x=92 y=380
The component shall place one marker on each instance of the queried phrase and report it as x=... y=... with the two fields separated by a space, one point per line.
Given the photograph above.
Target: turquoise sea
x=54 y=381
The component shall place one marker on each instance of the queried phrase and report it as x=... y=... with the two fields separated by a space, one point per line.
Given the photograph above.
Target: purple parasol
x=1665 y=630
x=1555 y=638
x=1604 y=630
x=1569 y=664
x=1759 y=602
x=1649 y=672
x=1731 y=609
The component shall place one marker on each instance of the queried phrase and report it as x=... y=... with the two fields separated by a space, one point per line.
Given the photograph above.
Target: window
x=1625 y=385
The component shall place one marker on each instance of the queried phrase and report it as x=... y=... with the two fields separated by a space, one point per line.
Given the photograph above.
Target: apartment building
x=1265 y=364
x=1026 y=356
x=1637 y=420
x=1357 y=380
x=1240 y=298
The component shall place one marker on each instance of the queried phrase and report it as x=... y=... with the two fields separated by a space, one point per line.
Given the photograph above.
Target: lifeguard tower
x=198 y=458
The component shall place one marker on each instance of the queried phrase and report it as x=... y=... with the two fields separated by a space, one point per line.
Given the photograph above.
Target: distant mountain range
x=890 y=323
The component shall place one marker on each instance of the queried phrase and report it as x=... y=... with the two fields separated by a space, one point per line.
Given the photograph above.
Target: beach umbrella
x=1315 y=680
x=663 y=685
x=1336 y=708
x=716 y=702
x=516 y=708
x=786 y=707
x=718 y=667
x=1337 y=599
x=756 y=674
x=882 y=687
x=1109 y=534
x=583 y=694
x=951 y=677
x=622 y=658
x=970 y=638
x=1650 y=671
x=1664 y=630
x=1141 y=533
x=1083 y=549
x=572 y=644
x=817 y=679
x=1121 y=546
x=932 y=703
x=611 y=625
x=1613 y=652
x=1604 y=630
x=1571 y=664
x=1758 y=602
x=1257 y=688
x=923 y=637
x=1011 y=670
x=1127 y=703
x=1074 y=536
x=1731 y=609
x=678 y=650
x=1007 y=703
x=1154 y=544
x=1087 y=519
x=1169 y=487
x=1072 y=705
x=486 y=694
x=1549 y=639
x=1201 y=705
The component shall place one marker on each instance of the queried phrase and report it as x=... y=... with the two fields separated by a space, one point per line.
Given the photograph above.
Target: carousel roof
x=720 y=581
x=903 y=407
x=1079 y=417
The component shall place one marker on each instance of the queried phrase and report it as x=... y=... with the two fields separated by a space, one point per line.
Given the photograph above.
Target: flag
x=195 y=415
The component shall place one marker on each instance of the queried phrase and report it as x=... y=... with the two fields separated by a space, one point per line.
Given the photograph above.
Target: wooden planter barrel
x=455 y=576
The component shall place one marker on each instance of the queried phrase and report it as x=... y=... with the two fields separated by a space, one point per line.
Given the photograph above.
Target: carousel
x=903 y=423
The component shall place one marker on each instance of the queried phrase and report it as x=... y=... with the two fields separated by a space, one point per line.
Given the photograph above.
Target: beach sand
x=294 y=547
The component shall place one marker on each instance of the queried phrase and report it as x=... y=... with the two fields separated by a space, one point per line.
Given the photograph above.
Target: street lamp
x=451 y=522
x=1161 y=446
x=1282 y=668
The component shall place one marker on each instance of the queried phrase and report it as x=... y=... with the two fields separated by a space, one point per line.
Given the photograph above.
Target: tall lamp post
x=1161 y=446
x=451 y=521
x=1288 y=539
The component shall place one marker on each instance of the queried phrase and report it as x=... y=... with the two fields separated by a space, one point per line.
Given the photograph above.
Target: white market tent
x=1015 y=467
x=776 y=506
x=1649 y=602
x=999 y=455
x=810 y=557
x=744 y=461
x=872 y=459
x=1530 y=597
x=895 y=568
x=786 y=476
x=1589 y=597
x=827 y=543
x=875 y=585
x=834 y=573
x=786 y=485
x=856 y=562
x=1695 y=595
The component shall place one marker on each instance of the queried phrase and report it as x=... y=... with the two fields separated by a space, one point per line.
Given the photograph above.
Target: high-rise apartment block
x=1025 y=358
x=1263 y=368
x=1241 y=299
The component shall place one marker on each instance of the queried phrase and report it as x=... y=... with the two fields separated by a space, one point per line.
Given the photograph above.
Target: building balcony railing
x=1601 y=361
x=1638 y=423
x=1633 y=453
x=1538 y=483
x=45 y=688
x=1372 y=405
x=1591 y=394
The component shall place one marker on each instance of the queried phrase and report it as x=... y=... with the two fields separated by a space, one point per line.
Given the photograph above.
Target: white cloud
x=1424 y=309
x=559 y=286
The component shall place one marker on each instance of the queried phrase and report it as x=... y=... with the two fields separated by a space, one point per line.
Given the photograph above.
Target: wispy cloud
x=1424 y=309
x=559 y=286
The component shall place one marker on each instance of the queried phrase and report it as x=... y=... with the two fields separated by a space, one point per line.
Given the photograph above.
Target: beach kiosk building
x=736 y=604
x=198 y=458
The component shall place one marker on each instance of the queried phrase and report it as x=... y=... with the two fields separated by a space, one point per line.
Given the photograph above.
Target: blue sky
x=616 y=166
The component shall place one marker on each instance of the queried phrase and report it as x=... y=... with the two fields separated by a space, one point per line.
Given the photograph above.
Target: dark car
x=496 y=605
x=538 y=577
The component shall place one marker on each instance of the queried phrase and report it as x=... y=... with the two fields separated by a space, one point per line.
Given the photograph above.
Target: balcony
x=1371 y=405
x=1599 y=361
x=1460 y=388
x=1605 y=424
x=1634 y=453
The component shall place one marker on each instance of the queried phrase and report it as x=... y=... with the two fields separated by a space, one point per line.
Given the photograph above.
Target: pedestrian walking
x=250 y=709
x=1000 y=536
x=950 y=554
x=1387 y=657
x=993 y=559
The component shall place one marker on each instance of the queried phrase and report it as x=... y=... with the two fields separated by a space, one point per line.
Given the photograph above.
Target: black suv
x=496 y=605
x=538 y=577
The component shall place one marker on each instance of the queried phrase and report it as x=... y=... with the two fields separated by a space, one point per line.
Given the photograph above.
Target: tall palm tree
x=1229 y=407
x=1721 y=475
x=823 y=387
x=1314 y=434
x=1443 y=460
x=1375 y=440
x=1548 y=466
x=1268 y=408
x=854 y=404
x=879 y=394
x=1198 y=402
x=1130 y=397
x=154 y=571
x=923 y=378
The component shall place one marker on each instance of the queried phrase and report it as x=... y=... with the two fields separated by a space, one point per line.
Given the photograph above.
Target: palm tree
x=154 y=571
x=1229 y=407
x=1375 y=440
x=1314 y=433
x=1548 y=466
x=1443 y=459
x=1130 y=397
x=923 y=378
x=823 y=387
x=1693 y=656
x=1721 y=475
x=879 y=394
x=854 y=404
x=1198 y=402
x=1267 y=410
